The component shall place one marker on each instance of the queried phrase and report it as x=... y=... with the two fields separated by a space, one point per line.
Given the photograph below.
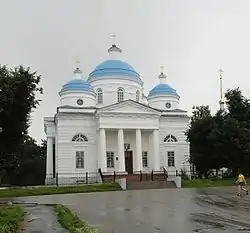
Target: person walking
x=241 y=182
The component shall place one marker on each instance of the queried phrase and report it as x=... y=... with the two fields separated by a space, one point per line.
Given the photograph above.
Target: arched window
x=137 y=98
x=99 y=96
x=120 y=94
x=170 y=138
x=79 y=138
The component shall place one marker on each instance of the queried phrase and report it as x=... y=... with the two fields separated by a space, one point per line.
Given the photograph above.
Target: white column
x=156 y=150
x=102 y=151
x=121 y=158
x=138 y=150
x=49 y=159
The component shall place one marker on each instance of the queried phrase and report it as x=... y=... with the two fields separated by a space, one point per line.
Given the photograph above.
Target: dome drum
x=164 y=102
x=77 y=93
x=77 y=99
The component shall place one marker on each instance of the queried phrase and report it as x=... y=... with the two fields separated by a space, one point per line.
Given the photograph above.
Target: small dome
x=113 y=68
x=78 y=85
x=162 y=89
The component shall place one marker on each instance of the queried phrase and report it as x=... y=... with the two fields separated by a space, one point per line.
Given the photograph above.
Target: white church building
x=107 y=122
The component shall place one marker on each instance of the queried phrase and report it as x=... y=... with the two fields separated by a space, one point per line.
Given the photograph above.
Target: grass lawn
x=10 y=218
x=70 y=221
x=20 y=192
x=202 y=183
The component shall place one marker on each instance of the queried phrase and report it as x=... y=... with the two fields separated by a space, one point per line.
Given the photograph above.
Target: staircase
x=142 y=180
x=157 y=184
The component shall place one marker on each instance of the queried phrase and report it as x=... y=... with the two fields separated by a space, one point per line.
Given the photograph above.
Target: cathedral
x=106 y=122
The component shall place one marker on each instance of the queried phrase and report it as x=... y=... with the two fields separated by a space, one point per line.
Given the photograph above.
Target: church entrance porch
x=129 y=162
x=128 y=151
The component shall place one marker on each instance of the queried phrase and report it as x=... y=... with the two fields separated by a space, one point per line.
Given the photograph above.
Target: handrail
x=101 y=175
x=165 y=173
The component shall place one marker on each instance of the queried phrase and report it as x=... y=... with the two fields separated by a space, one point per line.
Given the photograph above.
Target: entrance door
x=129 y=161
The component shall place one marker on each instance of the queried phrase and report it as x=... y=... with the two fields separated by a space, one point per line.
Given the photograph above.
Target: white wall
x=159 y=102
x=177 y=127
x=70 y=98
x=67 y=127
x=109 y=88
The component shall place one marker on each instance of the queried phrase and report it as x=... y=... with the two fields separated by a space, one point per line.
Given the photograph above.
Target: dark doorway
x=129 y=162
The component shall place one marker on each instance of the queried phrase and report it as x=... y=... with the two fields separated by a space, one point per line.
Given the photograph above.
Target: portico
x=128 y=147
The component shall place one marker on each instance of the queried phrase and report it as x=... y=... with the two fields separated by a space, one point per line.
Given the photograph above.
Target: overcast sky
x=191 y=38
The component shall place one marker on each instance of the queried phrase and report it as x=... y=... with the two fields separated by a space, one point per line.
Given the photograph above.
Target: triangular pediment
x=128 y=106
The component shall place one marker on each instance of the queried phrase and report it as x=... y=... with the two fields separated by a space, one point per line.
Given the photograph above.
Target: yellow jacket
x=241 y=178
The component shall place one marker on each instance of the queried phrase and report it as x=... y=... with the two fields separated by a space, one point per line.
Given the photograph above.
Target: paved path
x=213 y=210
x=40 y=219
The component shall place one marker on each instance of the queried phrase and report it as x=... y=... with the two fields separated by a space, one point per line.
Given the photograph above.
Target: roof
x=78 y=85
x=162 y=89
x=114 y=68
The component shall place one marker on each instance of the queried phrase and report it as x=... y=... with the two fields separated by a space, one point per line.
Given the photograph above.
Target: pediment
x=128 y=107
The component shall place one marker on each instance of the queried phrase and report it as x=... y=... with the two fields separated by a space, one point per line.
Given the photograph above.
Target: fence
x=65 y=179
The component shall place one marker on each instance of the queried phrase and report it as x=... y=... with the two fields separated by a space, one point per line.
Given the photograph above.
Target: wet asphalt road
x=212 y=210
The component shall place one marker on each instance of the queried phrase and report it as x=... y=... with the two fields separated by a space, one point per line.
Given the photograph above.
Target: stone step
x=150 y=185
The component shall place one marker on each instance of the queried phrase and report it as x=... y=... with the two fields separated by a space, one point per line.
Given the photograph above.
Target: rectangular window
x=80 y=159
x=99 y=96
x=110 y=159
x=144 y=158
x=171 y=162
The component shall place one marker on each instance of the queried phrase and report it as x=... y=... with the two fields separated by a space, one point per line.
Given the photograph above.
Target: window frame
x=145 y=159
x=170 y=139
x=79 y=156
x=137 y=96
x=171 y=158
x=99 y=96
x=120 y=94
x=79 y=138
x=110 y=161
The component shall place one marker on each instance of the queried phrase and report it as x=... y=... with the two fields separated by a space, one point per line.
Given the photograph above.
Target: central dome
x=114 y=68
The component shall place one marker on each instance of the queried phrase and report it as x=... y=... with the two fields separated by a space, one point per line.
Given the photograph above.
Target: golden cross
x=113 y=36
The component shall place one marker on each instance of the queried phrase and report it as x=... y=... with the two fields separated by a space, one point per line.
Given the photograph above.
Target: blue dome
x=115 y=67
x=78 y=85
x=162 y=89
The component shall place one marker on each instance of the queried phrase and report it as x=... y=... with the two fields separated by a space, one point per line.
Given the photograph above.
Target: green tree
x=19 y=87
x=237 y=131
x=198 y=136
x=222 y=140
x=31 y=166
